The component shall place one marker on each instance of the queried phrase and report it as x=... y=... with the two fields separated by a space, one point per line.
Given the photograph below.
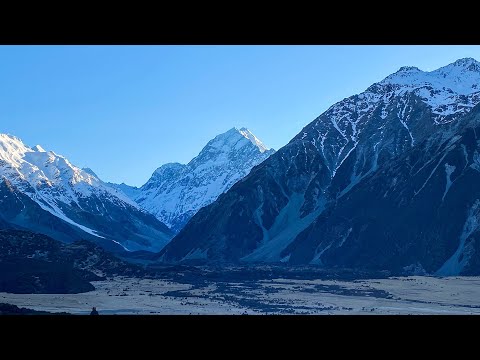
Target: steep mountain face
x=44 y=192
x=18 y=211
x=266 y=216
x=175 y=192
x=419 y=213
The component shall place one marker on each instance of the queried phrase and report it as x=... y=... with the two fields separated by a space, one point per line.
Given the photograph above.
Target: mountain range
x=43 y=192
x=386 y=179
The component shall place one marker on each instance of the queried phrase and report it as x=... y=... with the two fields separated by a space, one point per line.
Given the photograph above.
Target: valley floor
x=407 y=295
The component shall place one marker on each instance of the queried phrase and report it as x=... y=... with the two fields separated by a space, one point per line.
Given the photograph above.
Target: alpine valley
x=383 y=185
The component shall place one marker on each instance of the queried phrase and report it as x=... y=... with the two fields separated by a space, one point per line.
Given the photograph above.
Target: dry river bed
x=394 y=295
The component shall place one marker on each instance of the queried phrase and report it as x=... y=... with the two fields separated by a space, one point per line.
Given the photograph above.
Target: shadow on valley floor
x=9 y=309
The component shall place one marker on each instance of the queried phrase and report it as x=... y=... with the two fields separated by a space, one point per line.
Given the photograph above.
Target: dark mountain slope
x=35 y=263
x=418 y=213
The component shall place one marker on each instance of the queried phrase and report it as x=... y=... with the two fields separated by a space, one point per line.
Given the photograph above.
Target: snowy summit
x=175 y=192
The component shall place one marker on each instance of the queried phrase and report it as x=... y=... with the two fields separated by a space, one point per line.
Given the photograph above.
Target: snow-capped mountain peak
x=461 y=77
x=12 y=149
x=448 y=93
x=234 y=139
x=36 y=165
x=61 y=188
x=468 y=63
x=175 y=192
x=408 y=69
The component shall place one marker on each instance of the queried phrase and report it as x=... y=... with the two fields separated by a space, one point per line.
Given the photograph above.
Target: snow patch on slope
x=449 y=169
x=58 y=213
x=288 y=224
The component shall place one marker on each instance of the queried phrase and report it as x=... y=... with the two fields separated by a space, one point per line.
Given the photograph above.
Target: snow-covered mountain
x=280 y=211
x=75 y=196
x=175 y=192
x=447 y=94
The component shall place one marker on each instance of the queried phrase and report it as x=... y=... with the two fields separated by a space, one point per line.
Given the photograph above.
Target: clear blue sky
x=126 y=110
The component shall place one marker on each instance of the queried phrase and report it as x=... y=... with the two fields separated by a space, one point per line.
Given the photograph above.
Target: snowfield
x=395 y=295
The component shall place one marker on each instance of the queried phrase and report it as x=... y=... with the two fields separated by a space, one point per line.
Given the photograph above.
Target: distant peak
x=461 y=76
x=12 y=148
x=404 y=75
x=232 y=131
x=228 y=139
x=38 y=148
x=168 y=167
x=13 y=142
x=8 y=137
x=466 y=62
x=461 y=65
x=409 y=69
